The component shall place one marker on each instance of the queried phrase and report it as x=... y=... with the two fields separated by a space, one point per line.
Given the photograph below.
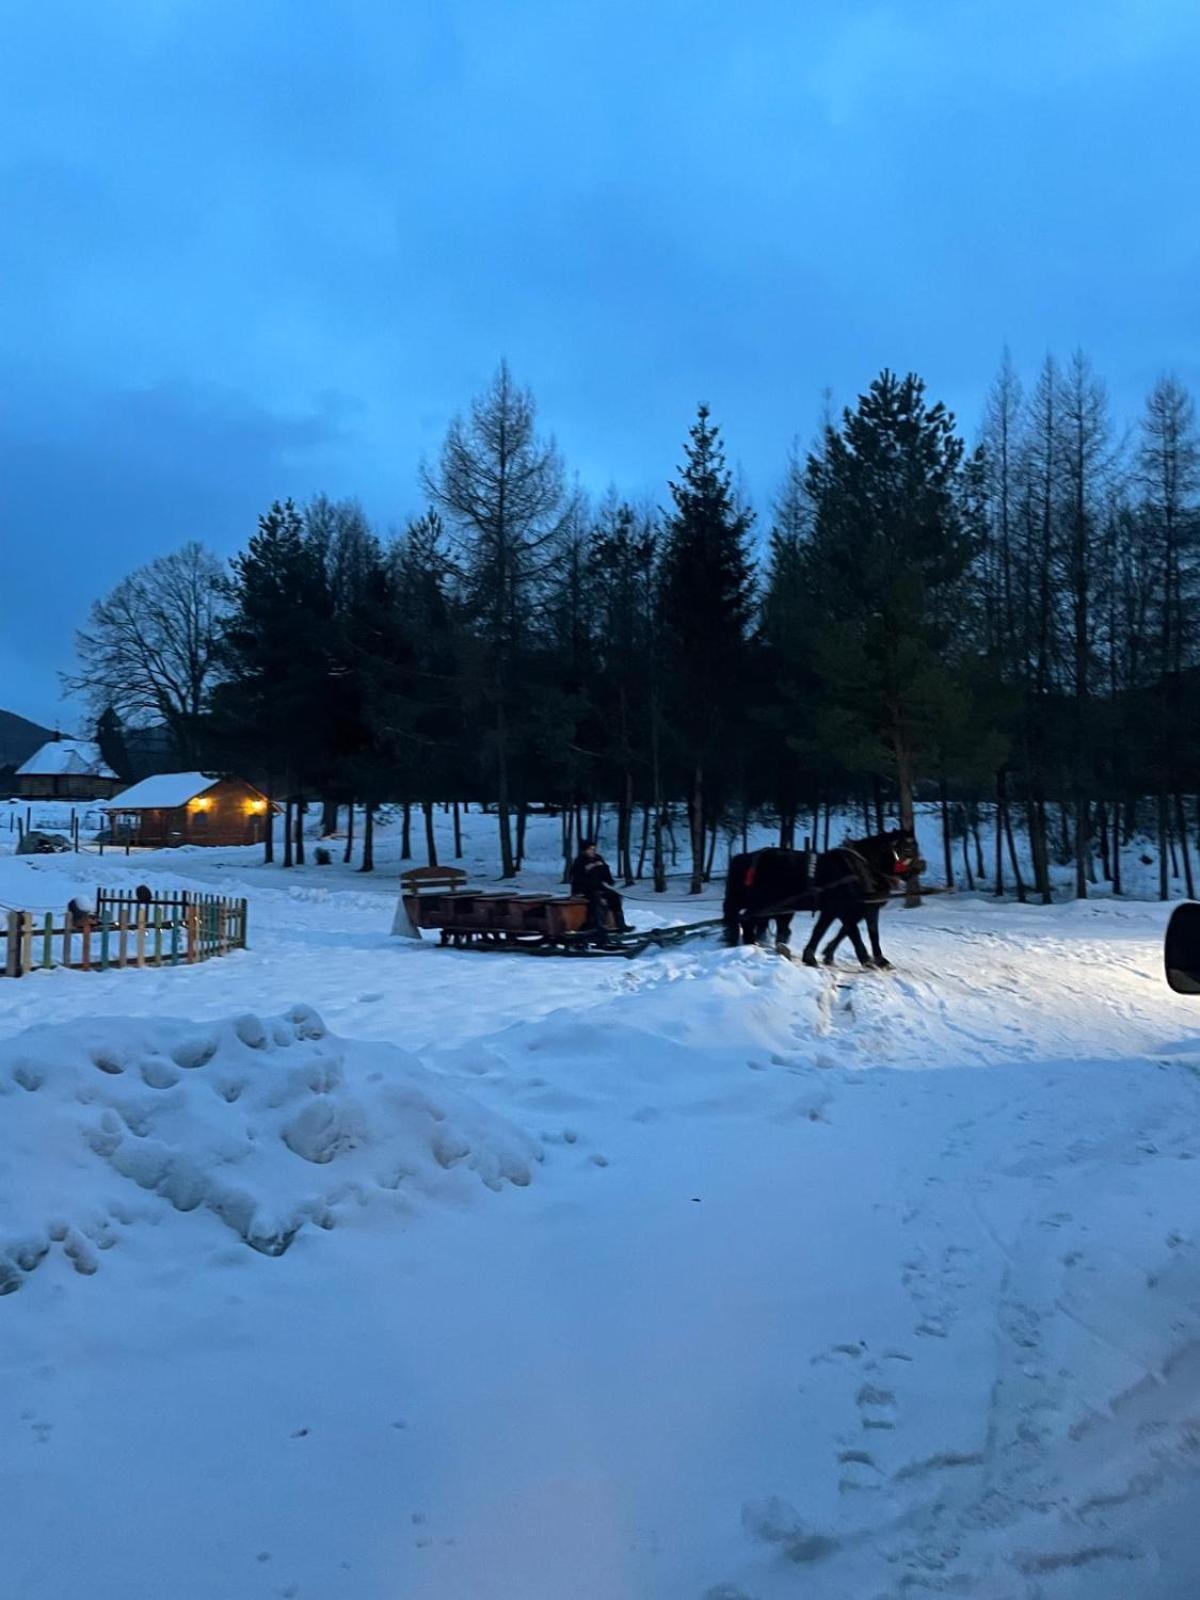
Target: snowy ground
x=350 y=1270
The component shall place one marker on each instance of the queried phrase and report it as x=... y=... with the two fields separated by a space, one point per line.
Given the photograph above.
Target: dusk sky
x=258 y=248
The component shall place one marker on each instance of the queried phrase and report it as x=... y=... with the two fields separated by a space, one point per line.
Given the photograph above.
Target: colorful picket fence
x=167 y=930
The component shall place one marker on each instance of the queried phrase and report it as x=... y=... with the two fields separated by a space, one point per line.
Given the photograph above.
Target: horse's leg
x=783 y=933
x=856 y=939
x=873 y=932
x=820 y=928
x=844 y=909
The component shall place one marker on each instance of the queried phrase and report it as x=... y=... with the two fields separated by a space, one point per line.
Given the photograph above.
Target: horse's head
x=894 y=854
x=905 y=853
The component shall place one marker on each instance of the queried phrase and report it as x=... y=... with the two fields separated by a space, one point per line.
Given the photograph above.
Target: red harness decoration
x=749 y=878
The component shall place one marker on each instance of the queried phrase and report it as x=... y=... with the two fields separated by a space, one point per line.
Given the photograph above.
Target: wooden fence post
x=12 y=945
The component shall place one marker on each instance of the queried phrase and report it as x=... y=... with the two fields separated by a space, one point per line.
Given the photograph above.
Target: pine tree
x=275 y=706
x=888 y=554
x=707 y=600
x=110 y=741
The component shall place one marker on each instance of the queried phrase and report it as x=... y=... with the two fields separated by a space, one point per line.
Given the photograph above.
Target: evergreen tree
x=707 y=600
x=888 y=554
x=275 y=707
x=110 y=741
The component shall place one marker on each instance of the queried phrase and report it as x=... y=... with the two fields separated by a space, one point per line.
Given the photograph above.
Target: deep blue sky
x=265 y=247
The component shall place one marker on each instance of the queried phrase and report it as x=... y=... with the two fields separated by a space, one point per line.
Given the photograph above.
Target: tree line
x=1008 y=627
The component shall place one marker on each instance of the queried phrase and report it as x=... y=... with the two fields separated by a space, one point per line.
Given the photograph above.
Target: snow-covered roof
x=60 y=758
x=165 y=790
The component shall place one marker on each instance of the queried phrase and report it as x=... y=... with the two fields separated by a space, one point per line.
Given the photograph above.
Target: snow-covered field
x=346 y=1269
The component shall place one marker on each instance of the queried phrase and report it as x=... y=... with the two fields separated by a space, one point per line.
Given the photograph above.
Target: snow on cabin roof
x=66 y=758
x=164 y=791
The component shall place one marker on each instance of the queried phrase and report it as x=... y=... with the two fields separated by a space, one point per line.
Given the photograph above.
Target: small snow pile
x=264 y=1125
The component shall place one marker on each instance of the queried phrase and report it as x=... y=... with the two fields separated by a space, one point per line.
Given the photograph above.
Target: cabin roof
x=60 y=758
x=163 y=791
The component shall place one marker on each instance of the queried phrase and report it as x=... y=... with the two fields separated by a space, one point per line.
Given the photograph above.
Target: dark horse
x=847 y=885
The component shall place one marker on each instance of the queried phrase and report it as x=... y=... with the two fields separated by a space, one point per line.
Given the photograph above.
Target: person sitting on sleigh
x=591 y=878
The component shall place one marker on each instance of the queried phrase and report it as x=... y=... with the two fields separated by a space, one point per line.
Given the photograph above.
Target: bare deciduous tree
x=502 y=489
x=150 y=649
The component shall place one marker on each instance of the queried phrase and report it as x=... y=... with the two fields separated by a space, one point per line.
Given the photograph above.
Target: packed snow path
x=729 y=1280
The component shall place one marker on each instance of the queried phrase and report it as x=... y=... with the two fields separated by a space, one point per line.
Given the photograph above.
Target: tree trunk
x=301 y=812
x=268 y=836
x=1161 y=810
x=877 y=792
x=1184 y=849
x=288 y=835
x=1115 y=846
x=567 y=828
x=867 y=830
x=1083 y=848
x=431 y=856
x=828 y=822
x=712 y=853
x=504 y=821
x=980 y=868
x=641 y=866
x=696 y=819
x=368 y=849
x=406 y=832
x=627 y=853
x=458 y=850
x=349 y=855
x=522 y=818
x=329 y=817
x=1039 y=848
x=946 y=851
x=659 y=866
x=998 y=876
x=787 y=826
x=1013 y=857
x=908 y=820
x=966 y=854
x=1103 y=839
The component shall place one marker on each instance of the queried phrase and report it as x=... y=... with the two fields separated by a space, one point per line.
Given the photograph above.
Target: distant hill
x=19 y=738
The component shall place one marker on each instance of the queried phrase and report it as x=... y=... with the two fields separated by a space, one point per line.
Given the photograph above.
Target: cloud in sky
x=252 y=250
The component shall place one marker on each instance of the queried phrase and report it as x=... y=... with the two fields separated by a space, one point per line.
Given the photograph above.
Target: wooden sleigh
x=439 y=900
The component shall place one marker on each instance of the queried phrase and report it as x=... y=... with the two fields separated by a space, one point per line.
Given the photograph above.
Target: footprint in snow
x=876 y=1407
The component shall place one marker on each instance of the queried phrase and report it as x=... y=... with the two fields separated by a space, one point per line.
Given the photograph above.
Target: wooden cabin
x=67 y=769
x=174 y=808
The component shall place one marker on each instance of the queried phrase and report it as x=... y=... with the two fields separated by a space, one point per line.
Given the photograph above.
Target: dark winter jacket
x=588 y=873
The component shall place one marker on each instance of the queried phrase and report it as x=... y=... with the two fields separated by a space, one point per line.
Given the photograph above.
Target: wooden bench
x=424 y=880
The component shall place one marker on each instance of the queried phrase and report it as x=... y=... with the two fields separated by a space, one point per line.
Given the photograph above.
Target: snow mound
x=263 y=1124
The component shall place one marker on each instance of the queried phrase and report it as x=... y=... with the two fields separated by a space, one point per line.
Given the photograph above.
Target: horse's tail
x=737 y=880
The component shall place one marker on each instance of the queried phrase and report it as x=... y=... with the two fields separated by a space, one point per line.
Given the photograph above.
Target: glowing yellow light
x=200 y=804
